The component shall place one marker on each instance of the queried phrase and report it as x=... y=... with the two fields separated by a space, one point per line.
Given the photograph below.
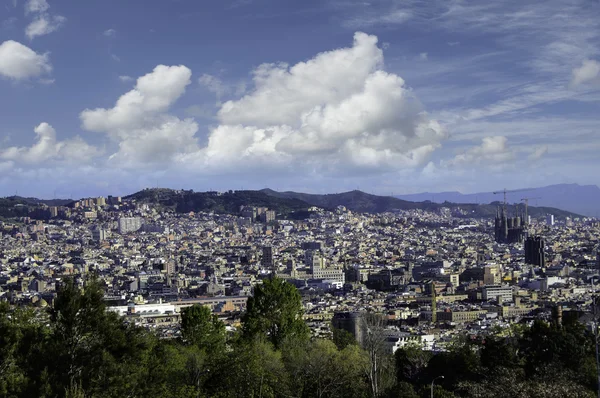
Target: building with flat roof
x=497 y=292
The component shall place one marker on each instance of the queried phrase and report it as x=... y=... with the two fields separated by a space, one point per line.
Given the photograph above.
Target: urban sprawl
x=433 y=275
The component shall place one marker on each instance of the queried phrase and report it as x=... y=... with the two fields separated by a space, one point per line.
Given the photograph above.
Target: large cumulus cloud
x=139 y=123
x=337 y=113
x=48 y=149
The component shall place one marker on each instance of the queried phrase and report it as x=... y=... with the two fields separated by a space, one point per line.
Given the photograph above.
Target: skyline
x=316 y=97
x=578 y=200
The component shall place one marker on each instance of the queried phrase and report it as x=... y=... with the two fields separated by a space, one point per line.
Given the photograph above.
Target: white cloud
x=153 y=93
x=110 y=33
x=339 y=112
x=492 y=151
x=158 y=143
x=138 y=122
x=44 y=25
x=36 y=6
x=588 y=72
x=126 y=79
x=423 y=56
x=47 y=148
x=327 y=78
x=20 y=62
x=43 y=22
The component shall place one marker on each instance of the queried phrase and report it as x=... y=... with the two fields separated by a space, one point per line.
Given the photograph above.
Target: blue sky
x=108 y=97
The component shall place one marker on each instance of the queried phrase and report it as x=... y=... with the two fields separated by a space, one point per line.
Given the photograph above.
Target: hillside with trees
x=366 y=203
x=291 y=205
x=226 y=203
x=78 y=349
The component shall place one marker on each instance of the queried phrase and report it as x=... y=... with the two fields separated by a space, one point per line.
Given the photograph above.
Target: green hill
x=366 y=203
x=228 y=202
x=287 y=204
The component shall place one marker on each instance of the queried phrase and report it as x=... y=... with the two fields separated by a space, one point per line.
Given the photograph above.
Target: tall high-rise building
x=550 y=219
x=267 y=216
x=98 y=234
x=267 y=257
x=534 y=251
x=129 y=224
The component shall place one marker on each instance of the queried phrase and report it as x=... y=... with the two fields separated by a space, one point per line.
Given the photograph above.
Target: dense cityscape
x=299 y=199
x=432 y=277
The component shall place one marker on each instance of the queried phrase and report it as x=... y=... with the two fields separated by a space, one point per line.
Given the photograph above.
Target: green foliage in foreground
x=80 y=350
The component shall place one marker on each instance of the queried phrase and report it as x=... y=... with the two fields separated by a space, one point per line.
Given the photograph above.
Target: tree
x=318 y=369
x=343 y=338
x=498 y=352
x=252 y=369
x=411 y=362
x=20 y=336
x=510 y=383
x=199 y=326
x=379 y=369
x=275 y=312
x=91 y=347
x=550 y=350
x=75 y=317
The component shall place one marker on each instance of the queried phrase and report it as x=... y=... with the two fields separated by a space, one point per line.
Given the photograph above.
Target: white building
x=129 y=224
x=396 y=339
x=497 y=292
x=143 y=309
x=550 y=219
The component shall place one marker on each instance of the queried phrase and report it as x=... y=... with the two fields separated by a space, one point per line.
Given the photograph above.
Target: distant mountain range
x=580 y=199
x=366 y=203
x=291 y=204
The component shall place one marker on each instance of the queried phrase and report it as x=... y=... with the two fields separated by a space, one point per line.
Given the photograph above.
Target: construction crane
x=505 y=191
x=526 y=200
